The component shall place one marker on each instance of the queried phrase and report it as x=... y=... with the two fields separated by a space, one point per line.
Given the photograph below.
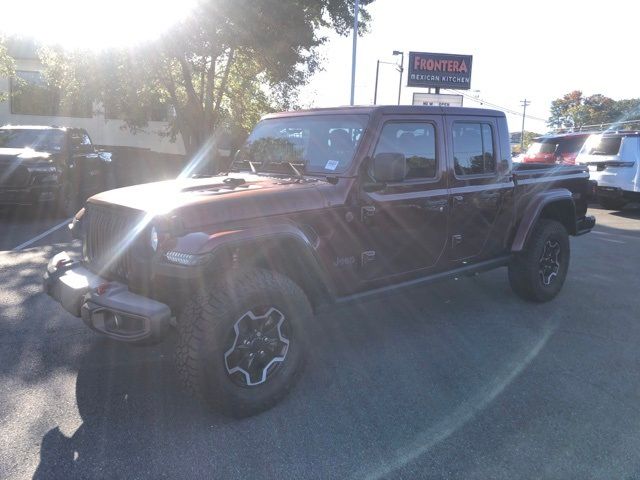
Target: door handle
x=437 y=205
x=457 y=199
x=489 y=195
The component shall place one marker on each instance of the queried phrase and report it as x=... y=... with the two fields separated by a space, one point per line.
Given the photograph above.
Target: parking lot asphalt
x=22 y=227
x=457 y=380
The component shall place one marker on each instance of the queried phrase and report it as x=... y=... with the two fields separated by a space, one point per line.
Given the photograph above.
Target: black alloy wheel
x=259 y=343
x=549 y=263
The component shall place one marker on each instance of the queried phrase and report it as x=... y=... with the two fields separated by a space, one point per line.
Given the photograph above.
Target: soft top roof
x=392 y=109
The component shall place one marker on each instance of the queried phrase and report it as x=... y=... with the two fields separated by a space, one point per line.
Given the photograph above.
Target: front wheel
x=241 y=344
x=539 y=271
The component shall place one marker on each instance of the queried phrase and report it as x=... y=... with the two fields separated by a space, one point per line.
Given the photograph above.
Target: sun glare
x=92 y=24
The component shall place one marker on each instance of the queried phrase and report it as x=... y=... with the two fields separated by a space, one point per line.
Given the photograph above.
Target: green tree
x=574 y=110
x=224 y=67
x=7 y=67
x=568 y=111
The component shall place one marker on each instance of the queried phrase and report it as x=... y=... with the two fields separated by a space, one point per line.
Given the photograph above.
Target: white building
x=32 y=106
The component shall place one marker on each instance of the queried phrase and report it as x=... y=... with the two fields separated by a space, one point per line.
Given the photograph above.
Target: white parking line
x=612 y=240
x=42 y=235
x=630 y=237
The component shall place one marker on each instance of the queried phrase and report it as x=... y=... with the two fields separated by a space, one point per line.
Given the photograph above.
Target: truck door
x=405 y=224
x=85 y=166
x=480 y=187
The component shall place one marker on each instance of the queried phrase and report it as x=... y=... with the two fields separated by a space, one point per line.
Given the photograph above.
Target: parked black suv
x=50 y=164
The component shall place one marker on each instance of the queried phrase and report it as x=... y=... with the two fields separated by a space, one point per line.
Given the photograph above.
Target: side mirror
x=389 y=167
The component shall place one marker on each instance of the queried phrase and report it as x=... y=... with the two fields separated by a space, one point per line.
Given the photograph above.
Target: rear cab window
x=473 y=148
x=80 y=140
x=570 y=145
x=415 y=140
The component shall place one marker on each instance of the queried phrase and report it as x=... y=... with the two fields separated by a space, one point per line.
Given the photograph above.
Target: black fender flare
x=295 y=247
x=533 y=211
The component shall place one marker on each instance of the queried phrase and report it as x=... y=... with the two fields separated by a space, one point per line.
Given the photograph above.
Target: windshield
x=47 y=140
x=599 y=145
x=321 y=144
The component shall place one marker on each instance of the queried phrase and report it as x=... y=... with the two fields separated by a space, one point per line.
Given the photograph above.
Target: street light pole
x=353 y=55
x=375 y=90
x=396 y=52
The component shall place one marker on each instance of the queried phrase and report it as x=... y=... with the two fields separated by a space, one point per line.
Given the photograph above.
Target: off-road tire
x=524 y=269
x=612 y=203
x=209 y=316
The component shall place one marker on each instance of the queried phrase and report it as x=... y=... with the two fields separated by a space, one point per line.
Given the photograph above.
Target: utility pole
x=356 y=10
x=400 y=69
x=375 y=90
x=525 y=103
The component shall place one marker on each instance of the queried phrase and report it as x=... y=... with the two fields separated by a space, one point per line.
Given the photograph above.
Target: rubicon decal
x=440 y=70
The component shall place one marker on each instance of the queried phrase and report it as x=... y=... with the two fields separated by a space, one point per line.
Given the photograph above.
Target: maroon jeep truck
x=319 y=206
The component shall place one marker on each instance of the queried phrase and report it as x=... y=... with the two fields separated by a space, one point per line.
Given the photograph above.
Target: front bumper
x=585 y=224
x=105 y=306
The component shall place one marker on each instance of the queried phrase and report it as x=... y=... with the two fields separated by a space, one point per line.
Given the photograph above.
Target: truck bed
x=530 y=178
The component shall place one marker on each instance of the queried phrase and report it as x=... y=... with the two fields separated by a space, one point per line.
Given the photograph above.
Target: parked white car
x=614 y=162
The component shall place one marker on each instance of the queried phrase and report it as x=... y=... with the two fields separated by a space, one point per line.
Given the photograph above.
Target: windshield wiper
x=295 y=170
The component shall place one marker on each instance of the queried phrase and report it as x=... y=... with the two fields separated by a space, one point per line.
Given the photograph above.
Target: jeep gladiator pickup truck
x=319 y=206
x=53 y=165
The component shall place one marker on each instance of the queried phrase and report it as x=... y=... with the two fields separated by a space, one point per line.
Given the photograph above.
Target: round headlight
x=154 y=239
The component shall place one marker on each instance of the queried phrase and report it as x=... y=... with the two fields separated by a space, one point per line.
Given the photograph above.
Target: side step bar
x=466 y=270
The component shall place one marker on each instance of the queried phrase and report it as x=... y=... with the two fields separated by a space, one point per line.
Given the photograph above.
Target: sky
x=92 y=24
x=521 y=49
x=538 y=50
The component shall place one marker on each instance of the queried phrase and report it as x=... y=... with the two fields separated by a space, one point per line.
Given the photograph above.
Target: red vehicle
x=561 y=148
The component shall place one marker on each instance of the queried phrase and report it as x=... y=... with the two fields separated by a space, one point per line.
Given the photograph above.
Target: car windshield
x=316 y=144
x=47 y=140
x=599 y=145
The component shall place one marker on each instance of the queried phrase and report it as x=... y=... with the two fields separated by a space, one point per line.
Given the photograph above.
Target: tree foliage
x=574 y=110
x=7 y=66
x=229 y=63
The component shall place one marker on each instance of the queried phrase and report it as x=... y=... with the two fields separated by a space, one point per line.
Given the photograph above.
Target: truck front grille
x=12 y=176
x=110 y=240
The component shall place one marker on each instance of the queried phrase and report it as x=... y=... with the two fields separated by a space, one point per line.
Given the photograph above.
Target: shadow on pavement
x=380 y=375
x=456 y=379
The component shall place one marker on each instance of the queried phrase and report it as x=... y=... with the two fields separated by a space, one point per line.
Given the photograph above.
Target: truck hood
x=235 y=197
x=23 y=155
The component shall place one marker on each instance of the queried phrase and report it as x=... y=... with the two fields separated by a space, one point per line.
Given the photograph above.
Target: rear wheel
x=539 y=271
x=612 y=203
x=241 y=345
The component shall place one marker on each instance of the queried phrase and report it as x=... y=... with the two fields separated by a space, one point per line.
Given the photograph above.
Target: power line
x=499 y=107
x=597 y=125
